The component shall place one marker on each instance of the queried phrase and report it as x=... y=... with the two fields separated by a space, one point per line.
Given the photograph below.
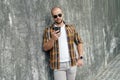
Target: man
x=60 y=43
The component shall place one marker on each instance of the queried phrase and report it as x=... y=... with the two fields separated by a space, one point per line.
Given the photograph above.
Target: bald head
x=57 y=15
x=54 y=9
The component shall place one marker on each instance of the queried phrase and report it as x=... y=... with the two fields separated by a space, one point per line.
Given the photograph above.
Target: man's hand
x=55 y=35
x=80 y=62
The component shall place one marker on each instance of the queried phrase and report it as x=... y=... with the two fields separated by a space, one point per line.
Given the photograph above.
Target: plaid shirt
x=72 y=37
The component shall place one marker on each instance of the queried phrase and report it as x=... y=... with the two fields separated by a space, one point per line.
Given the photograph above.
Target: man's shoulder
x=71 y=26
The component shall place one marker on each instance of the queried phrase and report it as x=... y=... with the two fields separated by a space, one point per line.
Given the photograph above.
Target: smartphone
x=56 y=28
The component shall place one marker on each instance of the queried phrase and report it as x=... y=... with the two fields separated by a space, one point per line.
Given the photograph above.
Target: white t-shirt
x=63 y=46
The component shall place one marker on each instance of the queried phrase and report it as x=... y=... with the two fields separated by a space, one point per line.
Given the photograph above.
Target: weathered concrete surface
x=112 y=72
x=21 y=28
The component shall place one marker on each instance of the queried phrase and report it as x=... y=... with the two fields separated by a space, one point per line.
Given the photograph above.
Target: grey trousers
x=66 y=72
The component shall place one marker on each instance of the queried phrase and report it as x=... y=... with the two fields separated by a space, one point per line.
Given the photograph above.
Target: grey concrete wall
x=21 y=28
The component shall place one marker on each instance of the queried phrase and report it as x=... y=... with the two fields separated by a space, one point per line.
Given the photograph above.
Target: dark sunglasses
x=55 y=16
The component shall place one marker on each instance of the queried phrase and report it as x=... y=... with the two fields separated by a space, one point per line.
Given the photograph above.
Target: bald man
x=59 y=39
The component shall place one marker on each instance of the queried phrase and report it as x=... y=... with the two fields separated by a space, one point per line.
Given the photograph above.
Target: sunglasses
x=55 y=16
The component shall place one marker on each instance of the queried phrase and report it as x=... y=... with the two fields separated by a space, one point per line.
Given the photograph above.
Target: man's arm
x=80 y=49
x=50 y=43
x=80 y=56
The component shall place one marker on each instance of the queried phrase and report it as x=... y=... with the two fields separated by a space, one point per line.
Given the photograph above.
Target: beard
x=59 y=22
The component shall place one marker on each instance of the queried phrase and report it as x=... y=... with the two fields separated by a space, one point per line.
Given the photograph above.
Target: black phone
x=56 y=28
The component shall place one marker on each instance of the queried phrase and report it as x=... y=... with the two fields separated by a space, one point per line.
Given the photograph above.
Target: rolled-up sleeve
x=77 y=39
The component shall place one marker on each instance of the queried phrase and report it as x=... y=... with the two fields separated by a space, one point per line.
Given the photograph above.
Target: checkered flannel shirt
x=72 y=37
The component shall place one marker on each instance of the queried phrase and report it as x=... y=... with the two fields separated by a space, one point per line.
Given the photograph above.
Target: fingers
x=58 y=31
x=58 y=34
x=79 y=63
x=55 y=34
